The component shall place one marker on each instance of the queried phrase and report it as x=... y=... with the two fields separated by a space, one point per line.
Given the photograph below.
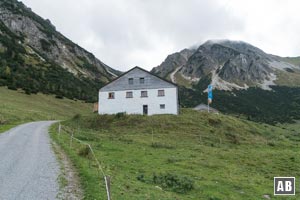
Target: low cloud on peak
x=124 y=34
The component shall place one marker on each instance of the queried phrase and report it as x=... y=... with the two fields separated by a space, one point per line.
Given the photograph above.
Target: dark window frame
x=144 y=92
x=142 y=80
x=129 y=96
x=162 y=106
x=111 y=95
x=161 y=95
x=130 y=81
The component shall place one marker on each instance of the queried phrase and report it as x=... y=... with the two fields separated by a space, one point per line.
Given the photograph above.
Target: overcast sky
x=128 y=33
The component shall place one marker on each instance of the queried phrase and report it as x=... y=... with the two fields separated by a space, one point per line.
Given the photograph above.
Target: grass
x=207 y=156
x=190 y=156
x=288 y=78
x=62 y=181
x=17 y=107
x=292 y=60
x=182 y=81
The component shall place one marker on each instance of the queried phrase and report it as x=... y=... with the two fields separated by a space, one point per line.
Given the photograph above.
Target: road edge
x=68 y=179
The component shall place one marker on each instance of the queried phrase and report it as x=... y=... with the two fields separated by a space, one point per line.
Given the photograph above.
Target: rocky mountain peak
x=41 y=36
x=231 y=65
x=173 y=61
x=41 y=59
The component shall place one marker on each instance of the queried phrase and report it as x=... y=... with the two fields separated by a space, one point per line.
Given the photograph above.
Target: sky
x=128 y=33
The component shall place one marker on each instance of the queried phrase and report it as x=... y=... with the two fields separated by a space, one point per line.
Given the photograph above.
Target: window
x=144 y=94
x=129 y=95
x=130 y=81
x=162 y=106
x=142 y=80
x=161 y=93
x=111 y=95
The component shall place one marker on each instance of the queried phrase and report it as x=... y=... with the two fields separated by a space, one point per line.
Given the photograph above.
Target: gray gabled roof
x=151 y=81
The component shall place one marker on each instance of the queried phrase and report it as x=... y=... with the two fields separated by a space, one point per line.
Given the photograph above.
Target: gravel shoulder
x=69 y=182
x=28 y=166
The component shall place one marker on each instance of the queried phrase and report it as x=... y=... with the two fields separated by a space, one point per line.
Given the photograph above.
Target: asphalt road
x=28 y=167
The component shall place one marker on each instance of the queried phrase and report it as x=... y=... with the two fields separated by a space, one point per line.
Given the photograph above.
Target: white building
x=138 y=92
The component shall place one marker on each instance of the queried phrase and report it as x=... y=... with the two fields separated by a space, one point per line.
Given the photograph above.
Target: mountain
x=173 y=61
x=34 y=56
x=232 y=65
x=246 y=80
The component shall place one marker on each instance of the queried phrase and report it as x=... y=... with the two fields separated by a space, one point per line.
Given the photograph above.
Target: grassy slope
x=182 y=81
x=292 y=60
x=288 y=79
x=17 y=107
x=227 y=158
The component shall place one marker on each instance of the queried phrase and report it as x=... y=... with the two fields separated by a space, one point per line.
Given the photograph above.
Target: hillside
x=293 y=60
x=191 y=156
x=17 y=107
x=231 y=65
x=172 y=62
x=246 y=80
x=34 y=56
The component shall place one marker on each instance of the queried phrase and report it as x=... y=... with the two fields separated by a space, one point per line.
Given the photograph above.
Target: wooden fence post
x=89 y=156
x=59 y=129
x=91 y=152
x=71 y=140
x=107 y=184
x=152 y=137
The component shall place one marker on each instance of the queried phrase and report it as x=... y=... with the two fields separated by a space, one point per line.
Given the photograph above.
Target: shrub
x=76 y=117
x=214 y=122
x=59 y=97
x=84 y=152
x=173 y=160
x=214 y=198
x=232 y=138
x=2 y=120
x=141 y=177
x=125 y=140
x=85 y=138
x=160 y=145
x=120 y=115
x=46 y=46
x=12 y=87
x=100 y=121
x=178 y=184
x=271 y=143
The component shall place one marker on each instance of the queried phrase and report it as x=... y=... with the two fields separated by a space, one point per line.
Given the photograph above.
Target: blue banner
x=209 y=92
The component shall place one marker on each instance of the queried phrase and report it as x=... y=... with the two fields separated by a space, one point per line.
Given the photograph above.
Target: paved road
x=28 y=167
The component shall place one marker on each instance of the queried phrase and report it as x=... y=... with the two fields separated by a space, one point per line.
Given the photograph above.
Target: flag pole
x=208 y=105
x=209 y=96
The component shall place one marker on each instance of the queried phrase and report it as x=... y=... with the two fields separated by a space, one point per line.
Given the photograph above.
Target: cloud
x=124 y=34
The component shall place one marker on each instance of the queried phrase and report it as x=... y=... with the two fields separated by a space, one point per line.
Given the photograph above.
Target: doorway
x=145 y=109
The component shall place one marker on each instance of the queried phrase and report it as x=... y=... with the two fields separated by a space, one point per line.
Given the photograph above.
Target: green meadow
x=191 y=156
x=16 y=107
x=194 y=155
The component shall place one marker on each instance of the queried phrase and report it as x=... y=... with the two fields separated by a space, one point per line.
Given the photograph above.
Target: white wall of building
x=135 y=105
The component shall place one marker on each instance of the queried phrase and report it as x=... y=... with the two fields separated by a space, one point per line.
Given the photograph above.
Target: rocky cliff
x=172 y=62
x=232 y=65
x=30 y=42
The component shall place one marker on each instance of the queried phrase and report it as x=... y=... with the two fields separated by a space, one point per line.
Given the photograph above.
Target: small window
x=130 y=81
x=162 y=106
x=142 y=80
x=129 y=95
x=111 y=95
x=144 y=94
x=161 y=93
